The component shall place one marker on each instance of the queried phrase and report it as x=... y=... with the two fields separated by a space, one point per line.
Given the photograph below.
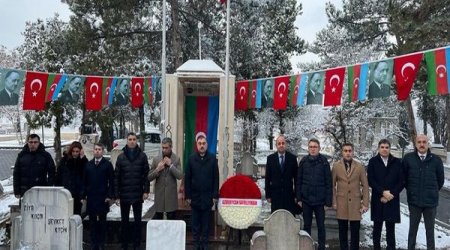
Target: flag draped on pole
x=201 y=115
x=241 y=95
x=334 y=82
x=280 y=93
x=137 y=84
x=438 y=63
x=93 y=93
x=35 y=90
x=405 y=70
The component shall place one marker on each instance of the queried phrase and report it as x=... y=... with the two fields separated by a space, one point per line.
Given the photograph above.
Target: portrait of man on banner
x=123 y=92
x=267 y=94
x=10 y=83
x=315 y=88
x=380 y=79
x=72 y=88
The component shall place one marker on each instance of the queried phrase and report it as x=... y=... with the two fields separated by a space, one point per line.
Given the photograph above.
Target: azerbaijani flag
x=252 y=94
x=107 y=83
x=201 y=115
x=363 y=82
x=52 y=82
x=258 y=93
x=353 y=80
x=301 y=94
x=294 y=87
x=438 y=63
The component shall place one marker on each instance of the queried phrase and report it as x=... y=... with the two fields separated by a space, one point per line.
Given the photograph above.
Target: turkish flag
x=280 y=93
x=35 y=90
x=93 y=93
x=405 y=69
x=137 y=92
x=334 y=82
x=241 y=95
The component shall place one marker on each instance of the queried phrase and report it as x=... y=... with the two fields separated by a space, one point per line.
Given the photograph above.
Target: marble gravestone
x=166 y=234
x=46 y=221
x=281 y=232
x=247 y=166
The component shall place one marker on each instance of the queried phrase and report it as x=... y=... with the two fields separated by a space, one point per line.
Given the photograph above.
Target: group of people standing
x=312 y=186
x=98 y=185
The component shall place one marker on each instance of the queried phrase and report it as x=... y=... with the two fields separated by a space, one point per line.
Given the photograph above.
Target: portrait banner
x=380 y=79
x=11 y=81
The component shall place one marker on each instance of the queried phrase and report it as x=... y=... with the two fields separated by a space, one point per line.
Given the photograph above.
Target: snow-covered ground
x=442 y=235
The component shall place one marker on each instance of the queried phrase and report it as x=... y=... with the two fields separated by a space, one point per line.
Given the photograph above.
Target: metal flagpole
x=227 y=73
x=163 y=69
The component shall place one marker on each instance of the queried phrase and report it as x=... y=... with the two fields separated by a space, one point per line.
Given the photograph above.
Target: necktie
x=97 y=162
x=282 y=161
x=422 y=157
x=347 y=167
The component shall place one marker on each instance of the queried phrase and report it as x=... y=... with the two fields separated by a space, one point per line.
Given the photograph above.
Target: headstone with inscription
x=166 y=234
x=46 y=221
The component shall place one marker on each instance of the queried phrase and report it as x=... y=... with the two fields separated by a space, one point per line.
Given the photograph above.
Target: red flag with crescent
x=281 y=92
x=35 y=90
x=93 y=93
x=137 y=92
x=241 y=96
x=334 y=82
x=405 y=70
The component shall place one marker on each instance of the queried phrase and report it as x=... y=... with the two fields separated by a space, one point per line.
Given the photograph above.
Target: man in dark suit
x=379 y=85
x=72 y=94
x=315 y=89
x=98 y=191
x=385 y=177
x=8 y=95
x=281 y=175
x=202 y=190
x=267 y=96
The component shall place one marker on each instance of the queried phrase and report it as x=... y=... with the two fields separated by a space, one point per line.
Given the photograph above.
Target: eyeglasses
x=33 y=142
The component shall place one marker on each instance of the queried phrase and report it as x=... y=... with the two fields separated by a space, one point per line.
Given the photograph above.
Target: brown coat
x=350 y=191
x=166 y=195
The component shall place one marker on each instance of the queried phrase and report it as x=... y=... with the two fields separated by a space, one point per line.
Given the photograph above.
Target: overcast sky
x=15 y=13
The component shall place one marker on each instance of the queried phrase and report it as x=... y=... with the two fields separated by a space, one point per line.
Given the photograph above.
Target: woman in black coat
x=70 y=173
x=385 y=176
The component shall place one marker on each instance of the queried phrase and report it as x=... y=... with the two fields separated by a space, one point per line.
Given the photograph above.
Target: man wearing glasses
x=34 y=167
x=424 y=177
x=350 y=196
x=314 y=189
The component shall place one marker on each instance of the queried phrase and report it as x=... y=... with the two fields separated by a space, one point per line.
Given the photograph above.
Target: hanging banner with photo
x=380 y=79
x=11 y=81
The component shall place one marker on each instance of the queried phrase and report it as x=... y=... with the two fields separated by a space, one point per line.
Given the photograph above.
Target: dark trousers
x=390 y=235
x=131 y=234
x=319 y=212
x=97 y=230
x=77 y=205
x=160 y=215
x=200 y=227
x=429 y=215
x=354 y=234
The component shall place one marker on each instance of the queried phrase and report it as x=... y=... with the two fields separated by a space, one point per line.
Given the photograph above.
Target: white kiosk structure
x=200 y=79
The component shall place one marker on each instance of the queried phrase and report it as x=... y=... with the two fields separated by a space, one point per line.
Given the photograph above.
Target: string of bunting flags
x=99 y=91
x=368 y=80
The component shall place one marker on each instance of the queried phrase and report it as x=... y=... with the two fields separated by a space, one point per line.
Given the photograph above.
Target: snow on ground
x=6 y=199
x=442 y=235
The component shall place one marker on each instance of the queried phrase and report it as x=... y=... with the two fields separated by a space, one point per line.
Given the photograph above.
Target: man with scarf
x=131 y=189
x=314 y=189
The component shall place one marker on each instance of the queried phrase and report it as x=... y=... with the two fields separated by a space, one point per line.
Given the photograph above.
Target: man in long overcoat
x=166 y=169
x=350 y=196
x=385 y=176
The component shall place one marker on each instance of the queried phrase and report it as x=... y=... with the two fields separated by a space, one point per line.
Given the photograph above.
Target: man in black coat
x=132 y=188
x=424 y=177
x=98 y=191
x=281 y=177
x=385 y=177
x=202 y=190
x=34 y=167
x=314 y=189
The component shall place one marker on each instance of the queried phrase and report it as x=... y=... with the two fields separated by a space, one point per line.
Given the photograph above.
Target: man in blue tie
x=281 y=175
